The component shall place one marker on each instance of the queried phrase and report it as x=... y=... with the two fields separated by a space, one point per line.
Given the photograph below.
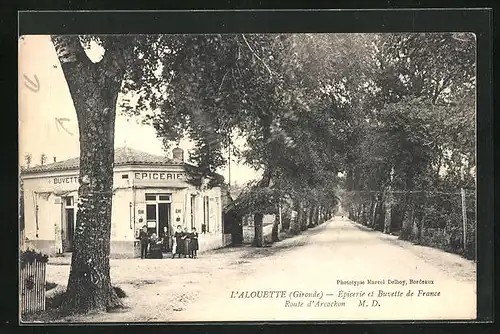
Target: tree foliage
x=419 y=121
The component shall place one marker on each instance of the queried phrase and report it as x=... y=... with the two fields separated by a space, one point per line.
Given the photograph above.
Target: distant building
x=240 y=221
x=147 y=190
x=232 y=218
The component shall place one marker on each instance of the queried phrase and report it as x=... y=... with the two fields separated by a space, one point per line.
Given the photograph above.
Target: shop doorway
x=68 y=223
x=158 y=215
x=164 y=221
x=205 y=228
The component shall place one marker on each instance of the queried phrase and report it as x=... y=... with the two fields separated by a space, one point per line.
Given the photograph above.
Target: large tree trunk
x=371 y=212
x=258 y=240
x=295 y=223
x=421 y=228
x=418 y=219
x=316 y=215
x=379 y=215
x=388 y=213
x=407 y=224
x=362 y=218
x=265 y=122
x=275 y=231
x=408 y=212
x=415 y=233
x=312 y=210
x=303 y=221
x=94 y=88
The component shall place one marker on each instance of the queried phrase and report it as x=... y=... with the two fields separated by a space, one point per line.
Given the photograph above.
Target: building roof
x=123 y=156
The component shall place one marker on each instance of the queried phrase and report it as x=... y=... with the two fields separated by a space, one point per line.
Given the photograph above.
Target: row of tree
x=311 y=107
x=414 y=148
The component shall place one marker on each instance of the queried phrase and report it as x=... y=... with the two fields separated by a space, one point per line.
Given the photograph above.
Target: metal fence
x=33 y=287
x=445 y=220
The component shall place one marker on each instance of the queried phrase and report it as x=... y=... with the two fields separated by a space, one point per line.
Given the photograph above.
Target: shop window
x=158 y=197
x=193 y=210
x=164 y=197
x=151 y=212
x=206 y=214
x=68 y=201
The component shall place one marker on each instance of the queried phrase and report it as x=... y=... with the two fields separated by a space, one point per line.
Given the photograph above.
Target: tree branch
x=69 y=49
x=440 y=88
x=260 y=59
x=459 y=39
x=222 y=81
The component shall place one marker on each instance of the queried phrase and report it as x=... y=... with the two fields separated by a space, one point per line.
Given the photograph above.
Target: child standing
x=194 y=243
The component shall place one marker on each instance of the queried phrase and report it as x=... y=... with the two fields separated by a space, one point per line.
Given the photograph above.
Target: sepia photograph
x=239 y=177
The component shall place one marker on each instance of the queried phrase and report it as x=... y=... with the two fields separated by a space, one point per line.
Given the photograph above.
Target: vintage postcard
x=247 y=177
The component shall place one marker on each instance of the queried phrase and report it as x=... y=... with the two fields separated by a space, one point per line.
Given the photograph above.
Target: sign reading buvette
x=61 y=180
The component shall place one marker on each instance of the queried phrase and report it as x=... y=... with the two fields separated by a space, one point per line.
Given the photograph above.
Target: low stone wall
x=249 y=233
x=210 y=241
x=124 y=249
x=44 y=246
x=227 y=239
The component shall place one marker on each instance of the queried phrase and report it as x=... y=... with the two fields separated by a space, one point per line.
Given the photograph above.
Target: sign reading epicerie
x=158 y=176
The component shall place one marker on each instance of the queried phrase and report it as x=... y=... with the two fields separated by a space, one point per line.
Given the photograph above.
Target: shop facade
x=148 y=190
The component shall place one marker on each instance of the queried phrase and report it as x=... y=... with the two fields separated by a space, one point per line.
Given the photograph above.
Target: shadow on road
x=288 y=242
x=270 y=251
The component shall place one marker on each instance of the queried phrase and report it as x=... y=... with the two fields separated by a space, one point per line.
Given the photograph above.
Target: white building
x=147 y=190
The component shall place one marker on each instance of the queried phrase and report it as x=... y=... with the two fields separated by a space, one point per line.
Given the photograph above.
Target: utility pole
x=229 y=165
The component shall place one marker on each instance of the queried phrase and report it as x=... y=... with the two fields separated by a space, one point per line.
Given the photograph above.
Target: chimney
x=178 y=154
x=54 y=159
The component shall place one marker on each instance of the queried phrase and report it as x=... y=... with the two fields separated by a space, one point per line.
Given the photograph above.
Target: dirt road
x=326 y=273
x=344 y=251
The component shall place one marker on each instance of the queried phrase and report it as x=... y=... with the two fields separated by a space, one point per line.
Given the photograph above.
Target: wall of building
x=45 y=191
x=122 y=224
x=129 y=207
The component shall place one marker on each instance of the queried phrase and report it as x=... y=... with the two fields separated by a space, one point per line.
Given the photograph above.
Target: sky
x=44 y=98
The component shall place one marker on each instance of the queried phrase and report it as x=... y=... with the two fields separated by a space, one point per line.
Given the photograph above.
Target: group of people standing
x=184 y=243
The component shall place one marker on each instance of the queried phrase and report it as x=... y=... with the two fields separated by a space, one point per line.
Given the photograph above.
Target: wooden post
x=229 y=165
x=464 y=207
x=464 y=217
